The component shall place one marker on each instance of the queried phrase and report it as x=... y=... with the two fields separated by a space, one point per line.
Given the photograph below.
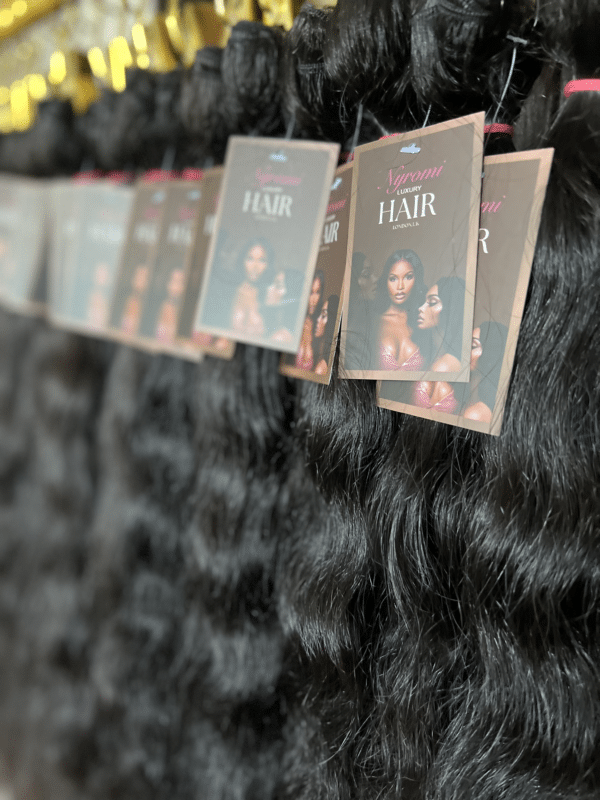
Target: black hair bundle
x=312 y=102
x=201 y=110
x=251 y=69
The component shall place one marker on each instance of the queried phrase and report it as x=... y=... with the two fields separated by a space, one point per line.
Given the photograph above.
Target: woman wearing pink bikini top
x=401 y=289
x=442 y=315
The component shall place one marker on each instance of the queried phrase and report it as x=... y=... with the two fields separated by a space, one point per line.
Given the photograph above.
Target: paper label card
x=188 y=338
x=90 y=266
x=314 y=358
x=137 y=258
x=166 y=291
x=514 y=188
x=412 y=248
x=268 y=231
x=66 y=221
x=23 y=229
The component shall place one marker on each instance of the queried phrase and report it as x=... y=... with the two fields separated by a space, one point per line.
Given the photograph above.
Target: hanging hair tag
x=194 y=266
x=314 y=359
x=90 y=253
x=414 y=216
x=512 y=198
x=266 y=240
x=138 y=255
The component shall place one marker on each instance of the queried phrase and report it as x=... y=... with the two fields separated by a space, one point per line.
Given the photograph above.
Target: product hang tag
x=413 y=228
x=314 y=358
x=90 y=266
x=23 y=226
x=189 y=340
x=164 y=299
x=65 y=220
x=137 y=259
x=31 y=244
x=514 y=187
x=268 y=231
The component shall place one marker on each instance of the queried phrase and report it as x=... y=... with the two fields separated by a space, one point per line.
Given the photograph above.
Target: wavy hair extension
x=310 y=99
x=54 y=502
x=164 y=138
x=366 y=56
x=50 y=148
x=201 y=109
x=53 y=141
x=55 y=398
x=129 y=116
x=230 y=661
x=489 y=556
x=527 y=722
x=328 y=586
x=95 y=129
x=132 y=602
x=452 y=41
x=185 y=660
x=383 y=741
x=251 y=69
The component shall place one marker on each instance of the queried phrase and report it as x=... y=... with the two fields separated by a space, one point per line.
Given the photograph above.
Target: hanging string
x=290 y=127
x=516 y=42
x=427 y=116
x=168 y=159
x=356 y=136
x=372 y=118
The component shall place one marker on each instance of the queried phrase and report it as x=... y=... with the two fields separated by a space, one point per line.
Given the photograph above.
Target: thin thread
x=369 y=114
x=359 y=119
x=290 y=127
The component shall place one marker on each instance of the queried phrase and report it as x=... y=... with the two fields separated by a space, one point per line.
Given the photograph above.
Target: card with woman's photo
x=164 y=299
x=314 y=359
x=91 y=261
x=268 y=230
x=412 y=252
x=191 y=341
x=137 y=259
x=514 y=186
x=23 y=240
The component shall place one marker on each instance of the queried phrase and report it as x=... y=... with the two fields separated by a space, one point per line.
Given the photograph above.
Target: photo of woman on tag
x=441 y=315
x=487 y=353
x=133 y=306
x=400 y=291
x=166 y=327
x=98 y=305
x=305 y=355
x=325 y=330
x=256 y=271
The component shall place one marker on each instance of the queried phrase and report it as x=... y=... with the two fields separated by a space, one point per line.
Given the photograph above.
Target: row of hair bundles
x=217 y=582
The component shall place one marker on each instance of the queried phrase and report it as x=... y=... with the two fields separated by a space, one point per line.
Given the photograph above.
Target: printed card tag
x=137 y=258
x=166 y=291
x=262 y=255
x=514 y=187
x=413 y=233
x=23 y=228
x=187 y=338
x=314 y=359
x=9 y=216
x=91 y=263
x=66 y=219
